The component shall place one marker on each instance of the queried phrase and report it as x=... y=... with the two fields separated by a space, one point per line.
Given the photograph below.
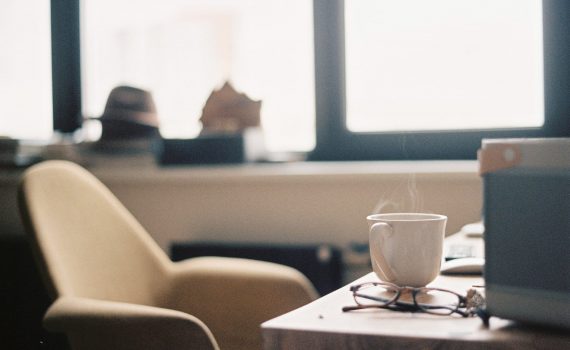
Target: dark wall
x=23 y=298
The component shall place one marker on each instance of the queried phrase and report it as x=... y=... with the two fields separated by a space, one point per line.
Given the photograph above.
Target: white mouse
x=463 y=266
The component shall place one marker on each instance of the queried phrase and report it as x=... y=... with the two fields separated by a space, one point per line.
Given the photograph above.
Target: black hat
x=129 y=113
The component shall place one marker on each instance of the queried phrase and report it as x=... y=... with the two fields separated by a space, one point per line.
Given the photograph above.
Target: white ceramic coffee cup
x=406 y=248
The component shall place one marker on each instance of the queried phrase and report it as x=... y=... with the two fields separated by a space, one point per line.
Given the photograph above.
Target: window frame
x=66 y=65
x=335 y=142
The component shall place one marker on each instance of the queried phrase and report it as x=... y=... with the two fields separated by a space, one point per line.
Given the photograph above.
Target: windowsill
x=119 y=172
x=268 y=172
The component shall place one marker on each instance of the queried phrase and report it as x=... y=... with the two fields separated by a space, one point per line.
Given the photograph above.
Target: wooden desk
x=322 y=325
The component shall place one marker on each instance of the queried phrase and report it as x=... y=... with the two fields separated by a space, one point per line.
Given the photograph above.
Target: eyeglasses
x=435 y=301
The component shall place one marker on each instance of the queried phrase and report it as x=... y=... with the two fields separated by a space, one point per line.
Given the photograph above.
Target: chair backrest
x=87 y=241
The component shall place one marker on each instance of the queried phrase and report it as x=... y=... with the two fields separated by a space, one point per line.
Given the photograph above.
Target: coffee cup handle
x=378 y=233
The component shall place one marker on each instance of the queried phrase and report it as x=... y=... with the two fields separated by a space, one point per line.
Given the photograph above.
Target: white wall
x=295 y=203
x=291 y=203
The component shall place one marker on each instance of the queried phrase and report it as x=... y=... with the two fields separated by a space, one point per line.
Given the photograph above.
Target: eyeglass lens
x=436 y=301
x=375 y=294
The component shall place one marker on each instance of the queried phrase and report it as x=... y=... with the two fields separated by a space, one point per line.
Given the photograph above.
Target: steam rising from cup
x=402 y=199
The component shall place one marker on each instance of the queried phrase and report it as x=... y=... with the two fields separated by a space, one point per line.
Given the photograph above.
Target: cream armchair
x=114 y=288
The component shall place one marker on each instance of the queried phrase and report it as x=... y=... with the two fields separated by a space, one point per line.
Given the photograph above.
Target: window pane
x=443 y=64
x=181 y=50
x=25 y=69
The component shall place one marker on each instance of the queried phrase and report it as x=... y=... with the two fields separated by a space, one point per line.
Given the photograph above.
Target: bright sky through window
x=25 y=69
x=443 y=64
x=181 y=50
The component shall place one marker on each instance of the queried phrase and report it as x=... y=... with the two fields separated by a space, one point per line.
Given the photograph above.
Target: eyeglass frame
x=394 y=304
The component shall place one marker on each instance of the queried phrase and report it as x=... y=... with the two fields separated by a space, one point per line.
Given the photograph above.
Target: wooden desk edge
x=295 y=330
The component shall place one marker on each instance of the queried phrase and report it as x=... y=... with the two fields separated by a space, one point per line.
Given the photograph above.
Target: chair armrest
x=97 y=324
x=234 y=296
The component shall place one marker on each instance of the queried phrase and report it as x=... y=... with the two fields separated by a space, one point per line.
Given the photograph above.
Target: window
x=417 y=79
x=372 y=79
x=25 y=69
x=443 y=64
x=181 y=50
